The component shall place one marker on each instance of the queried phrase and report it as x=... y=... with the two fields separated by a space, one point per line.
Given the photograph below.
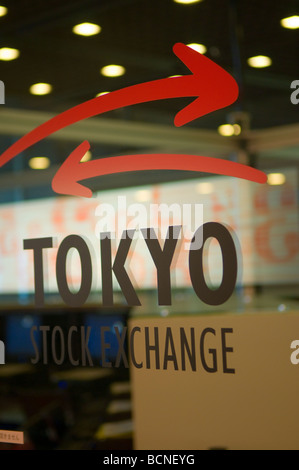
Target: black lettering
x=74 y=362
x=85 y=353
x=36 y=358
x=154 y=347
x=57 y=360
x=185 y=346
x=213 y=352
x=118 y=268
x=136 y=364
x=169 y=344
x=121 y=351
x=37 y=245
x=230 y=265
x=225 y=350
x=162 y=259
x=104 y=347
x=79 y=298
x=44 y=330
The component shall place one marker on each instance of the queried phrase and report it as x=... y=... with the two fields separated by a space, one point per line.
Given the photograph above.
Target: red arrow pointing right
x=212 y=85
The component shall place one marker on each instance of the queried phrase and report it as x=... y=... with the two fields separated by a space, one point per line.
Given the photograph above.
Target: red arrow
x=72 y=171
x=213 y=87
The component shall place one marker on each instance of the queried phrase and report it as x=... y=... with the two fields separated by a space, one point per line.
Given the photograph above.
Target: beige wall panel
x=254 y=408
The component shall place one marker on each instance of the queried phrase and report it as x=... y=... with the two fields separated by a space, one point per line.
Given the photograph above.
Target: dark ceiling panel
x=140 y=34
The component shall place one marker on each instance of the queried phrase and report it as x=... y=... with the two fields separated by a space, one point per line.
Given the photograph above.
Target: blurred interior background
x=53 y=56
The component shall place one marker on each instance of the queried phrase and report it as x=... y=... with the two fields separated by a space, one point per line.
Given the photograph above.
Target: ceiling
x=140 y=34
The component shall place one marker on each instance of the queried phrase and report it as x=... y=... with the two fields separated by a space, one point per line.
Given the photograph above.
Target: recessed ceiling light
x=187 y=2
x=87 y=29
x=3 y=11
x=228 y=130
x=259 y=61
x=40 y=89
x=102 y=93
x=113 y=70
x=86 y=157
x=204 y=188
x=198 y=47
x=275 y=179
x=8 y=53
x=143 y=195
x=292 y=22
x=237 y=129
x=39 y=163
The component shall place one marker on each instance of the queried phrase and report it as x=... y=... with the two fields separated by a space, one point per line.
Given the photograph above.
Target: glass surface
x=67 y=304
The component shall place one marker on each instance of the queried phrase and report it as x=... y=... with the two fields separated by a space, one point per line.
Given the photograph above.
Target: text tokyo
x=162 y=258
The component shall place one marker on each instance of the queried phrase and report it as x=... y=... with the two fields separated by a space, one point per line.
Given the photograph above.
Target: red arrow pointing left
x=66 y=180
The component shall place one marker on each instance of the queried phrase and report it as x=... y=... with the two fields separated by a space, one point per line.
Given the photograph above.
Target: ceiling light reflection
x=187 y=2
x=292 y=22
x=198 y=47
x=205 y=188
x=9 y=53
x=39 y=163
x=113 y=70
x=228 y=130
x=143 y=195
x=276 y=179
x=86 y=157
x=259 y=61
x=3 y=11
x=86 y=29
x=40 y=89
x=102 y=93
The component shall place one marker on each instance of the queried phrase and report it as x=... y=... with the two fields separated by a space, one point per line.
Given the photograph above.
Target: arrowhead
x=66 y=179
x=214 y=87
